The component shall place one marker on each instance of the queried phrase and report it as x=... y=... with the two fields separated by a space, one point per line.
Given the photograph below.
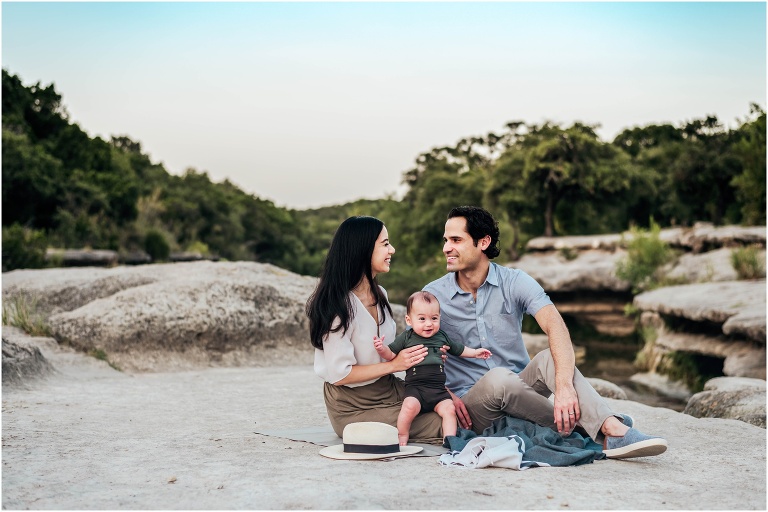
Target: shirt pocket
x=502 y=327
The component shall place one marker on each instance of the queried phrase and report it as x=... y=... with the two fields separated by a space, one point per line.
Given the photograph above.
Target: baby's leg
x=410 y=409
x=447 y=411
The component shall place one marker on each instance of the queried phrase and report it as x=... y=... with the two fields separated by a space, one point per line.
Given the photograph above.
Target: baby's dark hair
x=420 y=295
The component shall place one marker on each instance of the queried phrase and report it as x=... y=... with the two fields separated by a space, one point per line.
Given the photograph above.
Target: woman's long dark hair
x=347 y=262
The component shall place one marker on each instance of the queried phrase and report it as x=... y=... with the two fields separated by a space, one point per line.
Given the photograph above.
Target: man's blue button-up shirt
x=494 y=321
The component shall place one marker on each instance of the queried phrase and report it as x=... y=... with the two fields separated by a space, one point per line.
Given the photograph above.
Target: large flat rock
x=702 y=236
x=741 y=359
x=739 y=304
x=175 y=316
x=89 y=439
x=593 y=270
x=730 y=397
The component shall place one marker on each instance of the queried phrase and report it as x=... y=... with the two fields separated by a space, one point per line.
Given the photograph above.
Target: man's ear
x=484 y=242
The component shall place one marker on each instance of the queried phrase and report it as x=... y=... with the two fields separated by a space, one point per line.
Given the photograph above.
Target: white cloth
x=342 y=351
x=483 y=452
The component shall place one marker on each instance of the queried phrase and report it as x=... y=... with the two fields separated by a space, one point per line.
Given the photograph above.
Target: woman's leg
x=380 y=401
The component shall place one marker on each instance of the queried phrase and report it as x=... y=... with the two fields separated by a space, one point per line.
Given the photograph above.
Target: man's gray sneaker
x=633 y=444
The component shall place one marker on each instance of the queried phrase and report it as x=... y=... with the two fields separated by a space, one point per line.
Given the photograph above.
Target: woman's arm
x=404 y=360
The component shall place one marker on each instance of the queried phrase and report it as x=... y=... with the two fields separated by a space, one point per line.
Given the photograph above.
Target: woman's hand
x=409 y=357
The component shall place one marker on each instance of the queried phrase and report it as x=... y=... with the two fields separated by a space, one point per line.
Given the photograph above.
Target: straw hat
x=368 y=440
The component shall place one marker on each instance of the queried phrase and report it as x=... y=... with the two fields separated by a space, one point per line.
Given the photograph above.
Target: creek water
x=614 y=361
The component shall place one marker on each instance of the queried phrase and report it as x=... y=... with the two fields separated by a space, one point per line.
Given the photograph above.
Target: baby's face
x=424 y=318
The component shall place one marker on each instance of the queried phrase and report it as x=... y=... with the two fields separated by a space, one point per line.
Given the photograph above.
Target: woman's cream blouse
x=342 y=351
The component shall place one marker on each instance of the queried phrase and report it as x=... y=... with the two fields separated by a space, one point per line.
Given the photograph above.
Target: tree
x=569 y=162
x=750 y=183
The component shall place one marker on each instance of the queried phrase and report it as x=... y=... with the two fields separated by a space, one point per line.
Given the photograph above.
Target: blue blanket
x=542 y=444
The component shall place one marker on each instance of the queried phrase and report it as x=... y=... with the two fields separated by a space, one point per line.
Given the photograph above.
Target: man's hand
x=444 y=349
x=567 y=411
x=461 y=411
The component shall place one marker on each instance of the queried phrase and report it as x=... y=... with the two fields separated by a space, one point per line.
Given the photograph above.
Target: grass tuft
x=21 y=311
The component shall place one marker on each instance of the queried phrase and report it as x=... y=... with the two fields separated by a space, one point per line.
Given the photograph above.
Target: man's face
x=458 y=247
x=424 y=317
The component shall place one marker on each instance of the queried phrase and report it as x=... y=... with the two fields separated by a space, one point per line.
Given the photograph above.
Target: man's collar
x=493 y=276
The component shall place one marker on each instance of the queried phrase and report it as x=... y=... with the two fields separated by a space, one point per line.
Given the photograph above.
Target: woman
x=347 y=311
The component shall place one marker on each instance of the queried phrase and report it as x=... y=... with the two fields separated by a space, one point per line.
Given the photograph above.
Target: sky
x=315 y=104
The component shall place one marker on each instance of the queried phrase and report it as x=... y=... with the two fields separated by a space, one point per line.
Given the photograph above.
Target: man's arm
x=566 y=399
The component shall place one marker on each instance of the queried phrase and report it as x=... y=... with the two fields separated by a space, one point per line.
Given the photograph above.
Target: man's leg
x=500 y=392
x=540 y=375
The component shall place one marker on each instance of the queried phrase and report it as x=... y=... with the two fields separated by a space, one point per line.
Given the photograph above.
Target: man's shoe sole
x=647 y=448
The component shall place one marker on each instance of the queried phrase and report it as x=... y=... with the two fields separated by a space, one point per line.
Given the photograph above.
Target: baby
x=425 y=383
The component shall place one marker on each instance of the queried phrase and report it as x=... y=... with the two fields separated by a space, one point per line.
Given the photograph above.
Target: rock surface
x=718 y=320
x=607 y=389
x=739 y=304
x=730 y=397
x=90 y=437
x=592 y=270
x=584 y=286
x=175 y=316
x=704 y=267
x=82 y=257
x=23 y=363
x=700 y=237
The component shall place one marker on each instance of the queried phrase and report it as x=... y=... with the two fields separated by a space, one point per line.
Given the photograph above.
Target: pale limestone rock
x=176 y=316
x=593 y=270
x=23 y=362
x=730 y=397
x=713 y=302
x=607 y=389
x=704 y=267
x=82 y=257
x=741 y=359
x=578 y=243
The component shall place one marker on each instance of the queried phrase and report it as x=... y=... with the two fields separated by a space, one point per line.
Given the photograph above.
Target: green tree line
x=62 y=188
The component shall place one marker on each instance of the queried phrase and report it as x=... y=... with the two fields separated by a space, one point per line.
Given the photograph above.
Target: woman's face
x=382 y=253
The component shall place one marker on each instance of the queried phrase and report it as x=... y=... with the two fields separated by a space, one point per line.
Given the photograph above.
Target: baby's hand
x=378 y=344
x=483 y=353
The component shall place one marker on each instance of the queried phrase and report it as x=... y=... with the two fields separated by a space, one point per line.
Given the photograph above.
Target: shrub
x=199 y=247
x=23 y=248
x=747 y=263
x=156 y=245
x=646 y=253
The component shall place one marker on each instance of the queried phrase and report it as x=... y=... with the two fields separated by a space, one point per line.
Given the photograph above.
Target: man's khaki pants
x=526 y=396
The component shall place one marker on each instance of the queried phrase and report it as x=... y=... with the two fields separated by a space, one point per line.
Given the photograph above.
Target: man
x=482 y=305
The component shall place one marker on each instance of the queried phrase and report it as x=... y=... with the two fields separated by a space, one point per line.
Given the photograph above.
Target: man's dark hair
x=480 y=223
